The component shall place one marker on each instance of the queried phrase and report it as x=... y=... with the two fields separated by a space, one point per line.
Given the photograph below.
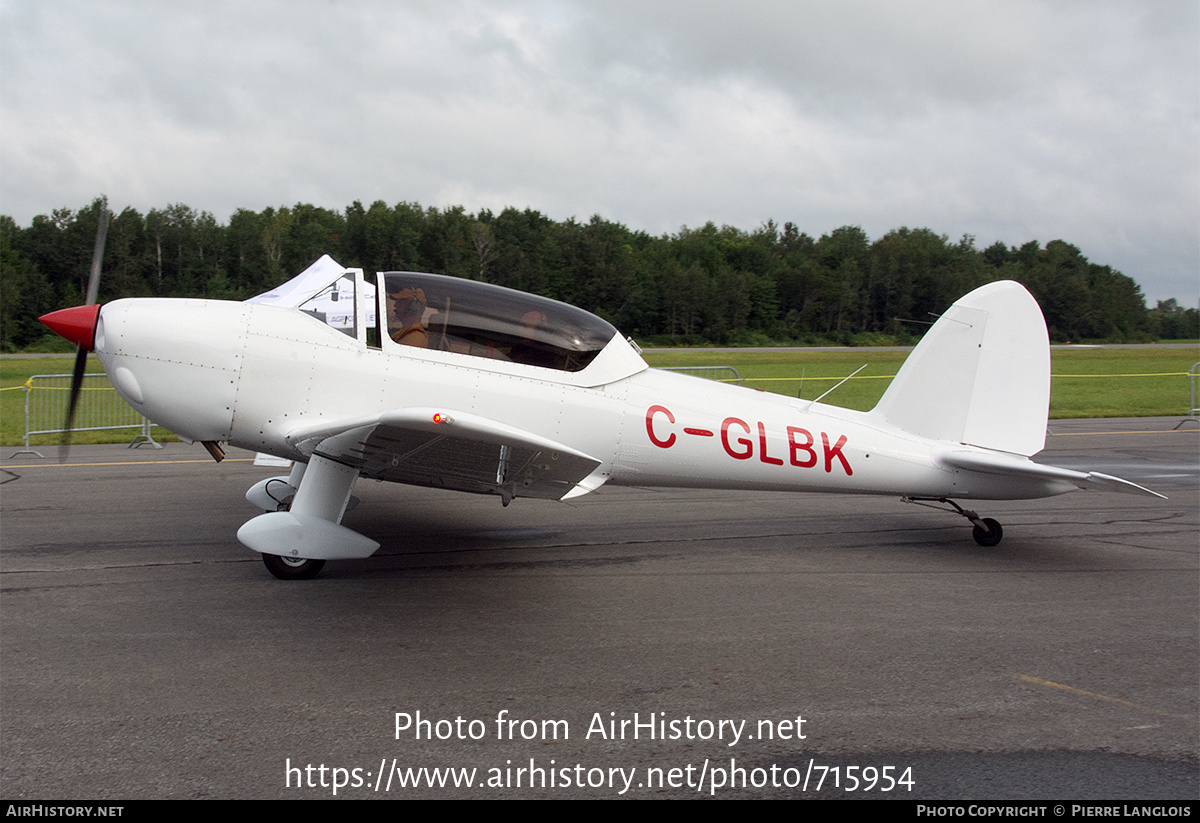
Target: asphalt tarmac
x=636 y=643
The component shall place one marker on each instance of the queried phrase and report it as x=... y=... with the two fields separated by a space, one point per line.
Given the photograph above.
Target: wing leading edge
x=454 y=450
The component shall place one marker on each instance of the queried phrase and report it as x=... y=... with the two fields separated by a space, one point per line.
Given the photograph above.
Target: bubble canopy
x=483 y=320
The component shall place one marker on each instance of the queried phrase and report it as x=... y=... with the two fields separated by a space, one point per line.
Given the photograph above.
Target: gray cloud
x=1010 y=121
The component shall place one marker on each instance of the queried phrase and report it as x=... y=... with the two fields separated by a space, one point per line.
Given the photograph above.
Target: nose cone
x=77 y=325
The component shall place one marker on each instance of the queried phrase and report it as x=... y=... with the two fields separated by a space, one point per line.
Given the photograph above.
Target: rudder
x=980 y=375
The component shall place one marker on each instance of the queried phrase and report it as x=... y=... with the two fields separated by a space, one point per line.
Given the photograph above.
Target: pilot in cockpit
x=528 y=349
x=408 y=318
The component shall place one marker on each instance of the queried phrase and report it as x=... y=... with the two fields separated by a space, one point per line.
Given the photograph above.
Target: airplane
x=446 y=382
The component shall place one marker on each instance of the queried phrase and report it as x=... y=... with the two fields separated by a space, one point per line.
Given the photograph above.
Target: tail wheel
x=292 y=568
x=989 y=536
x=987 y=531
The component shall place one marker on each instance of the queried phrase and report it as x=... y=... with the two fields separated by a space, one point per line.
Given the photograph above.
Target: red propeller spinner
x=76 y=324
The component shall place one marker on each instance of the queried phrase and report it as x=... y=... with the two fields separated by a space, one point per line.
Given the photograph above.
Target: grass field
x=1086 y=383
x=14 y=371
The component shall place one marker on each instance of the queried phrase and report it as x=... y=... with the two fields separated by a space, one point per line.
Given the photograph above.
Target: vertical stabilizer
x=980 y=375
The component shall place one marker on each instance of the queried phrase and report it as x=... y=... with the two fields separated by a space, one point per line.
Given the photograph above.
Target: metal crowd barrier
x=1194 y=375
x=47 y=397
x=722 y=374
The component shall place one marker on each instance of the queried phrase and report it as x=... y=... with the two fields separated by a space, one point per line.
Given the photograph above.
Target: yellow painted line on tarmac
x=1144 y=431
x=890 y=376
x=124 y=463
x=1136 y=374
x=806 y=379
x=1037 y=681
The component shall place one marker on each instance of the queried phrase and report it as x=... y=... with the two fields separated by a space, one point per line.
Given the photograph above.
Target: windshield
x=334 y=305
x=465 y=316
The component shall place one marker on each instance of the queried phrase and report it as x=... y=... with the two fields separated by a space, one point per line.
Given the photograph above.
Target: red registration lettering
x=762 y=447
x=797 y=448
x=650 y=412
x=836 y=451
x=725 y=424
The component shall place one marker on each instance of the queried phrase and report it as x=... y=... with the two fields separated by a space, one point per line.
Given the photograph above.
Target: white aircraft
x=478 y=388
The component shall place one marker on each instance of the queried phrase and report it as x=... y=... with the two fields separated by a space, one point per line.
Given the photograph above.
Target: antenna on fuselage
x=840 y=382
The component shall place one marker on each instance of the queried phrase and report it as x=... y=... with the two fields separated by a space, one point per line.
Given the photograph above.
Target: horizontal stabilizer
x=1107 y=482
x=1015 y=466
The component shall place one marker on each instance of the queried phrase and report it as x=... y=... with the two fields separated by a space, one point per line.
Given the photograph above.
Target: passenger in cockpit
x=529 y=349
x=408 y=318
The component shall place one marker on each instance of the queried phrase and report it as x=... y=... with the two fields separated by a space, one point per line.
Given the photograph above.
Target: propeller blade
x=93 y=292
x=76 y=387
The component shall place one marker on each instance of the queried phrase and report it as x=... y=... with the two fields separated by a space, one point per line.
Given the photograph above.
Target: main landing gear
x=292 y=568
x=987 y=532
x=281 y=491
x=305 y=529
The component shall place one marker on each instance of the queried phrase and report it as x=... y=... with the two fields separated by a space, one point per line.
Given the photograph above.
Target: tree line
x=707 y=285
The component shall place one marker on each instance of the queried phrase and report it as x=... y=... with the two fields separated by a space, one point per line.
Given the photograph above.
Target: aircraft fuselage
x=472 y=387
x=251 y=375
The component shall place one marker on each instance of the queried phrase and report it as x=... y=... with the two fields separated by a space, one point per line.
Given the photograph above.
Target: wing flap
x=452 y=450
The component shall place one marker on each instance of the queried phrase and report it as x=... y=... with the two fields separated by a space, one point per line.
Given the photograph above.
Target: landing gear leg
x=296 y=543
x=987 y=532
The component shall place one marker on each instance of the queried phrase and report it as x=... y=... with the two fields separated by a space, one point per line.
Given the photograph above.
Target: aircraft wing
x=1017 y=466
x=453 y=450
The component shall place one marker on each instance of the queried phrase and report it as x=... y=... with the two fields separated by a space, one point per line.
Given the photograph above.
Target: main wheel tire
x=989 y=537
x=292 y=568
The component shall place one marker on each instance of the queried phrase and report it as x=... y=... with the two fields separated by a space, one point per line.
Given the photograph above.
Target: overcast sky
x=1012 y=120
